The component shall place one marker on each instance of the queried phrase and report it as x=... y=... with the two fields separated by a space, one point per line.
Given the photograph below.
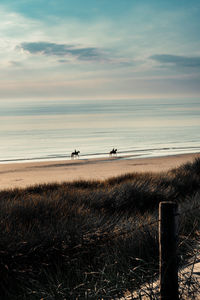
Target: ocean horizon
x=44 y=131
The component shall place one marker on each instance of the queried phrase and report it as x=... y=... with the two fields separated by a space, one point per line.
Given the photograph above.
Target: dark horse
x=75 y=154
x=113 y=152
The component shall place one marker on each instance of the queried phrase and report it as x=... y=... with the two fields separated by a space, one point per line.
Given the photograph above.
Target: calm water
x=52 y=130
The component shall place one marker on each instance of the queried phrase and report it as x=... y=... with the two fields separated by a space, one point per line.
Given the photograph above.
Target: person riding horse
x=113 y=152
x=75 y=154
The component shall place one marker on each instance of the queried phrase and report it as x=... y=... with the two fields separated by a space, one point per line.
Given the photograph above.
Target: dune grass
x=92 y=239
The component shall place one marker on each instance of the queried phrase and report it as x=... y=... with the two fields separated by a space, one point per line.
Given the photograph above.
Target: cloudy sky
x=99 y=49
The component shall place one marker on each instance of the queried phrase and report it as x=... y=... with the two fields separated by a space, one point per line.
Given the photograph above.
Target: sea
x=33 y=130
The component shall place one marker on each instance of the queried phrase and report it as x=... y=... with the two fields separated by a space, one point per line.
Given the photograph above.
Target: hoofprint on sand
x=27 y=174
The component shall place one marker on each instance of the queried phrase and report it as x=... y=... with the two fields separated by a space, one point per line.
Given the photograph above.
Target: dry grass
x=86 y=239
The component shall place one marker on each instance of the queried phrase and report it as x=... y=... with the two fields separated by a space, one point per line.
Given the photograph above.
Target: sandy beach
x=32 y=173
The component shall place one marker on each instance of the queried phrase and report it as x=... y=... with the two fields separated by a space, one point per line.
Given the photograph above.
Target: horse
x=113 y=152
x=75 y=154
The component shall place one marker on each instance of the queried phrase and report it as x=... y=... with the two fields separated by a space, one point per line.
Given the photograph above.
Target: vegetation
x=92 y=239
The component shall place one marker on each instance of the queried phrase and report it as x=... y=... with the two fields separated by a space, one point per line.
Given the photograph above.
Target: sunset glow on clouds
x=99 y=49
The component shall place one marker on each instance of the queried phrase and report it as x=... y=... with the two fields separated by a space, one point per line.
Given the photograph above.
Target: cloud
x=15 y=63
x=179 y=61
x=66 y=52
x=63 y=61
x=60 y=50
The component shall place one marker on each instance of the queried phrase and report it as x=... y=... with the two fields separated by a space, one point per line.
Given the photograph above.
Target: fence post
x=168 y=214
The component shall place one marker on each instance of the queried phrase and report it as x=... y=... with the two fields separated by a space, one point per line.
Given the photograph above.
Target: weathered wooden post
x=168 y=221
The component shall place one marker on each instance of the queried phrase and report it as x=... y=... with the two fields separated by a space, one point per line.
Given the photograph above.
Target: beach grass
x=92 y=239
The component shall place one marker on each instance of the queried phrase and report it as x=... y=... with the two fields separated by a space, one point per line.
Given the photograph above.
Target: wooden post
x=167 y=251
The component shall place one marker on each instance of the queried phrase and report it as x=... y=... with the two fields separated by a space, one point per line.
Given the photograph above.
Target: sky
x=99 y=49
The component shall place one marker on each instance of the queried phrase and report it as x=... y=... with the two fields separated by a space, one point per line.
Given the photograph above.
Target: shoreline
x=141 y=153
x=24 y=174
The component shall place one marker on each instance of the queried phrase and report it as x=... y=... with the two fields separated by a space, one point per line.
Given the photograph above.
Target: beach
x=20 y=175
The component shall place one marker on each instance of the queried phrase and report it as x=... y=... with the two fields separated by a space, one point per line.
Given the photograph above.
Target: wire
x=103 y=238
